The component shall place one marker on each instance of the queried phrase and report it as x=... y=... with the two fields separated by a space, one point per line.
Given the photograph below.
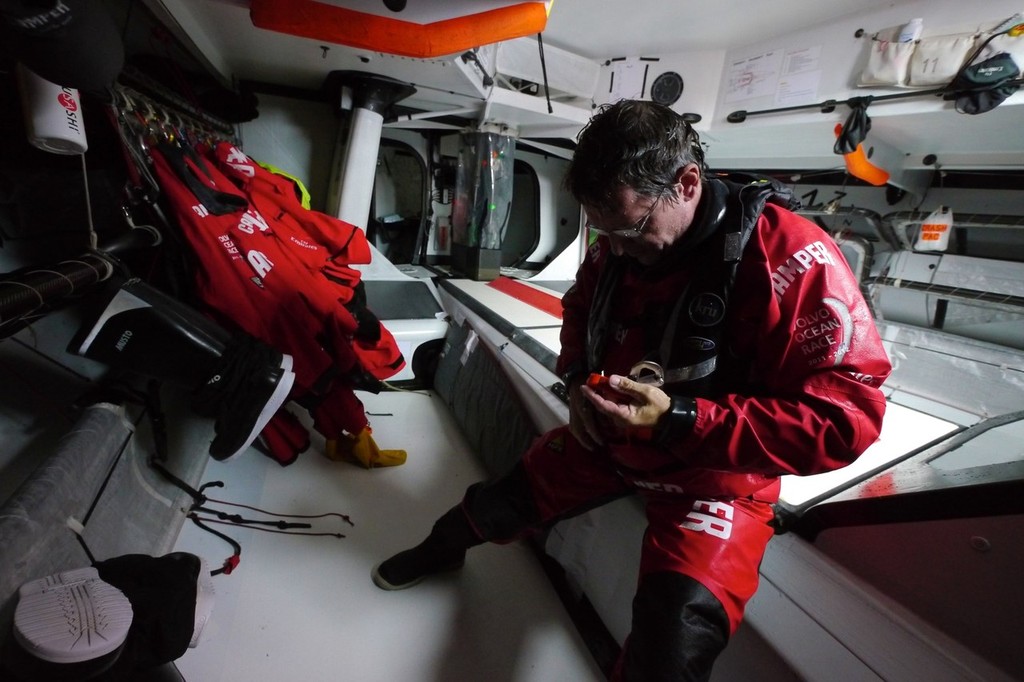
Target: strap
x=231 y=563
x=600 y=310
x=694 y=333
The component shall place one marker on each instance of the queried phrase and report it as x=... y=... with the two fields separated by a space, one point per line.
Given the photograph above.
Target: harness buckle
x=647 y=372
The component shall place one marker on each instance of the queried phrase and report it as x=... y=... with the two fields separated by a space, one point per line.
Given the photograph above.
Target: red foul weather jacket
x=798 y=359
x=280 y=273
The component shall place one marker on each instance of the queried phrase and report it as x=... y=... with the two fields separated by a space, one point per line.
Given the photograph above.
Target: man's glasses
x=631 y=232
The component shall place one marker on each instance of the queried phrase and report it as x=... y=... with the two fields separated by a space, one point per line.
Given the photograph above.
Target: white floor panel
x=304 y=608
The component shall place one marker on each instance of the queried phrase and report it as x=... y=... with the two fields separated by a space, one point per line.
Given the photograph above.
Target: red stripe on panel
x=540 y=300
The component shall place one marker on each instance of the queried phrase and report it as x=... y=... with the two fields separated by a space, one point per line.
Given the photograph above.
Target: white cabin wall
x=903 y=132
x=912 y=127
x=296 y=136
x=559 y=212
x=843 y=55
x=631 y=77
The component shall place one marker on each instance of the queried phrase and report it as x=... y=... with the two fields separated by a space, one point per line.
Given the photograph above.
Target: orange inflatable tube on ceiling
x=395 y=35
x=858 y=166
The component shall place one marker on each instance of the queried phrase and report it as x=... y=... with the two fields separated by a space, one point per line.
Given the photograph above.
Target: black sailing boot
x=443 y=550
x=235 y=378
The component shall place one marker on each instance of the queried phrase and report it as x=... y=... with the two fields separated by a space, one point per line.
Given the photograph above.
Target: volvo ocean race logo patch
x=824 y=335
x=707 y=309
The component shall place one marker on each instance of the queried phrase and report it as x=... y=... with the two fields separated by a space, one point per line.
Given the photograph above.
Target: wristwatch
x=677 y=423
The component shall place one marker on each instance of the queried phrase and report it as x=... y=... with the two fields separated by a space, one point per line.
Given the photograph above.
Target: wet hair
x=635 y=143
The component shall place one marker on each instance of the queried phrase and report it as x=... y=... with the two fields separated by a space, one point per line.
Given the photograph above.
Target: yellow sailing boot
x=363 y=449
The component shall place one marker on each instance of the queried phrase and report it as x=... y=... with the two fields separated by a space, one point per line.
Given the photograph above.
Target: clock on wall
x=667 y=88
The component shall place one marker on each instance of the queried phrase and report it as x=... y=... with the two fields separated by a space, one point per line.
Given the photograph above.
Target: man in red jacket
x=712 y=342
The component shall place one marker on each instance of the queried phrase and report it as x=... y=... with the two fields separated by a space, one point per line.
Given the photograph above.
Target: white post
x=369 y=96
x=358 y=167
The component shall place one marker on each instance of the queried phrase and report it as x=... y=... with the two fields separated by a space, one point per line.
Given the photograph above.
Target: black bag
x=983 y=86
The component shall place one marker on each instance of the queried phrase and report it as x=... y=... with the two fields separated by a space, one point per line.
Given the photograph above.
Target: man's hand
x=629 y=404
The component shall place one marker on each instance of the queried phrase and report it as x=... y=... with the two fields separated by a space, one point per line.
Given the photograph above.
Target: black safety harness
x=689 y=356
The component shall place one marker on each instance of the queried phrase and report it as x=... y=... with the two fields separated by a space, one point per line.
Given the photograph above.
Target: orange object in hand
x=601 y=385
